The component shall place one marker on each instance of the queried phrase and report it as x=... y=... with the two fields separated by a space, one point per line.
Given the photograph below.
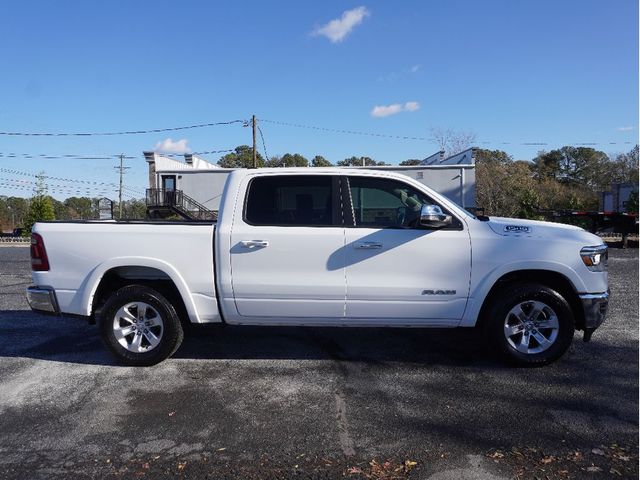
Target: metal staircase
x=161 y=203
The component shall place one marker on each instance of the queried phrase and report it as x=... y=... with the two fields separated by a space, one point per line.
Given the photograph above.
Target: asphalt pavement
x=248 y=402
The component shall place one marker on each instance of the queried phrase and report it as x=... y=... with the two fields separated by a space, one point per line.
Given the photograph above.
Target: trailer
x=621 y=223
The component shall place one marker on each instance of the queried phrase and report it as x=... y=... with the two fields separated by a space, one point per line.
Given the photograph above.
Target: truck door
x=287 y=249
x=398 y=272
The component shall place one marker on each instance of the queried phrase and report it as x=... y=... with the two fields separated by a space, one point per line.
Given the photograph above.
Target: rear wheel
x=139 y=326
x=530 y=324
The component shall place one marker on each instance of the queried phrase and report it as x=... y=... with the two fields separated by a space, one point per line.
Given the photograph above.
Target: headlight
x=595 y=258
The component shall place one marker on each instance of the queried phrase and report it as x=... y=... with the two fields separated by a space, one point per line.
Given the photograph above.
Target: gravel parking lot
x=314 y=403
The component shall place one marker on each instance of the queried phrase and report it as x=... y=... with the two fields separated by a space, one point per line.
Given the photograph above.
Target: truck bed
x=82 y=252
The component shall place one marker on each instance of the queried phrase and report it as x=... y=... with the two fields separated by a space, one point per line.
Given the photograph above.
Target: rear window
x=290 y=200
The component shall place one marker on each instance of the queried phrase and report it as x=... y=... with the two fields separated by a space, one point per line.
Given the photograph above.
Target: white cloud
x=411 y=106
x=169 y=146
x=338 y=28
x=624 y=129
x=386 y=110
x=415 y=68
x=380 y=111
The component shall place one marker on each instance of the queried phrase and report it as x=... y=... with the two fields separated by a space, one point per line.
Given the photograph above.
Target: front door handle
x=368 y=245
x=254 y=243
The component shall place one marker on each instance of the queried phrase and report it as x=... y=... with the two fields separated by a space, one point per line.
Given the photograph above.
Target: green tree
x=410 y=162
x=242 y=157
x=17 y=209
x=59 y=209
x=294 y=160
x=547 y=164
x=492 y=156
x=624 y=168
x=357 y=162
x=133 y=209
x=40 y=206
x=320 y=161
x=288 y=160
x=80 y=208
x=582 y=166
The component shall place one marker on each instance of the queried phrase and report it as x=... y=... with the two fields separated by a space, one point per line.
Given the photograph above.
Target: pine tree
x=40 y=206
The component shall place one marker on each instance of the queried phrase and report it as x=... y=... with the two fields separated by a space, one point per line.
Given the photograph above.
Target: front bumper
x=595 y=307
x=43 y=300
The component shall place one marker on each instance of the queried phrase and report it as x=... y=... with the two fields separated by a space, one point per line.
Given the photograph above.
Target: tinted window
x=379 y=202
x=290 y=200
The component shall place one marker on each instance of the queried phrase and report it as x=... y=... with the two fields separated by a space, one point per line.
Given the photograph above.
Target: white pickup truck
x=325 y=247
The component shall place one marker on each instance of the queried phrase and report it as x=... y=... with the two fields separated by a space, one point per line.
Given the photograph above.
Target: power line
x=69 y=180
x=51 y=156
x=126 y=132
x=407 y=137
x=58 y=156
x=337 y=130
x=23 y=185
x=209 y=152
x=215 y=151
x=53 y=185
x=264 y=146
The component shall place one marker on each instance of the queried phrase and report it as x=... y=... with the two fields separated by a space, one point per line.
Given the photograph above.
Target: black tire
x=500 y=318
x=169 y=336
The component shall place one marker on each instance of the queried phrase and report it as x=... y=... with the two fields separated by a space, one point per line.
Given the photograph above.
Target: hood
x=516 y=227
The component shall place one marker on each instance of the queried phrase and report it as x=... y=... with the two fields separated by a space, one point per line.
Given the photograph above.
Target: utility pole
x=255 y=154
x=122 y=168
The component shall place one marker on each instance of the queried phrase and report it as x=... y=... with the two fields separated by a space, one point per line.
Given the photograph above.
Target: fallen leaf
x=597 y=451
x=547 y=459
x=354 y=470
x=576 y=456
x=181 y=466
x=145 y=466
x=615 y=472
x=222 y=449
x=410 y=463
x=171 y=414
x=497 y=454
x=594 y=468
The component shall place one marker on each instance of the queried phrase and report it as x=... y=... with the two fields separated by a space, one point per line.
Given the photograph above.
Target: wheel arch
x=548 y=278
x=153 y=273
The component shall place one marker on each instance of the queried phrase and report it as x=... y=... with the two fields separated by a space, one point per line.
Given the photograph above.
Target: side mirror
x=433 y=216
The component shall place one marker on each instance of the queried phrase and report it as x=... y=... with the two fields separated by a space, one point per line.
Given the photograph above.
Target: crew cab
x=324 y=247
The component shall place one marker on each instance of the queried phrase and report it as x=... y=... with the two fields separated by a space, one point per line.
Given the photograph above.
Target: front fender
x=480 y=291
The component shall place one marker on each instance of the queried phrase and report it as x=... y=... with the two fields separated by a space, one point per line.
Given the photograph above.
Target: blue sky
x=511 y=72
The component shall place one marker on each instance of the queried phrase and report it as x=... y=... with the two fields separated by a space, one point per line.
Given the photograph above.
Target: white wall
x=456 y=182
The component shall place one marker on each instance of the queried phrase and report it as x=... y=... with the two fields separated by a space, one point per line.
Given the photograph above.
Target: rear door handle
x=368 y=245
x=254 y=243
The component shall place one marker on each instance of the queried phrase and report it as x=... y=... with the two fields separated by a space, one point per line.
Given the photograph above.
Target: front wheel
x=530 y=324
x=139 y=326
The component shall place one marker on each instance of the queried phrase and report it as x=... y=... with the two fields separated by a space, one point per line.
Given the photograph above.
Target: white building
x=193 y=188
